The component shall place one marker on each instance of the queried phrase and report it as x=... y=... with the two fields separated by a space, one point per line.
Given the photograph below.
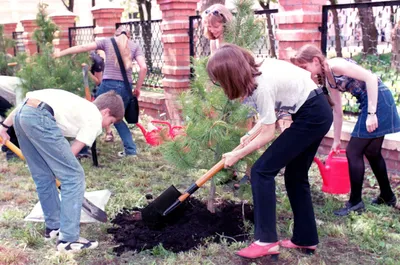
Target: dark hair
x=234 y=68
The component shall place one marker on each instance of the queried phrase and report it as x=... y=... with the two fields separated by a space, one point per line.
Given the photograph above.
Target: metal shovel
x=171 y=198
x=87 y=206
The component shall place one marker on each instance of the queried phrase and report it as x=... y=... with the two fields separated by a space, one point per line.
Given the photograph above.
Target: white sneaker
x=77 y=246
x=122 y=154
x=50 y=234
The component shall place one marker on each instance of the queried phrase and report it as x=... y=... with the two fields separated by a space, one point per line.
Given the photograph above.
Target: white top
x=282 y=87
x=75 y=116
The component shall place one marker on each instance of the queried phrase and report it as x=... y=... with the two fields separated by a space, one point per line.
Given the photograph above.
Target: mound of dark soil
x=194 y=224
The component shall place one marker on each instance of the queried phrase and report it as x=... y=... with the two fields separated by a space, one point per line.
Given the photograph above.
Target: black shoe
x=50 y=234
x=379 y=200
x=359 y=207
x=77 y=246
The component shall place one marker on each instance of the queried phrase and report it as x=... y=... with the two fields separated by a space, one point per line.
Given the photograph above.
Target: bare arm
x=342 y=67
x=96 y=77
x=76 y=49
x=337 y=118
x=76 y=147
x=142 y=74
x=9 y=121
x=266 y=135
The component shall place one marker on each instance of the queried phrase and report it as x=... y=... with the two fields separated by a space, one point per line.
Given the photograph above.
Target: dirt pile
x=181 y=234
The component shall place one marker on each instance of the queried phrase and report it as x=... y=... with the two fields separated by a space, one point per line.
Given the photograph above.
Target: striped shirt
x=111 y=67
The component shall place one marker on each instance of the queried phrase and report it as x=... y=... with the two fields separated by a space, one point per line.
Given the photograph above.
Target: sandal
x=306 y=249
x=256 y=251
x=109 y=137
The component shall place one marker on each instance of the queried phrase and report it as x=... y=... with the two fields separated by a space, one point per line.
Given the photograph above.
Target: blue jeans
x=122 y=128
x=49 y=155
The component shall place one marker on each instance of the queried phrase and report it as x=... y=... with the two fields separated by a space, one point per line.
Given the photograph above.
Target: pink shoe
x=256 y=251
x=306 y=249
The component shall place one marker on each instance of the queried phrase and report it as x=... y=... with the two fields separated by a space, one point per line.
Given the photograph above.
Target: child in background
x=378 y=116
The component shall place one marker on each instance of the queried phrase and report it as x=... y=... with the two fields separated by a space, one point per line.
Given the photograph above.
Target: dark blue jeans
x=294 y=149
x=122 y=128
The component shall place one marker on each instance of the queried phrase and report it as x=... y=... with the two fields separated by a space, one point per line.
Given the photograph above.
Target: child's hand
x=136 y=92
x=4 y=137
x=56 y=54
x=231 y=158
x=371 y=123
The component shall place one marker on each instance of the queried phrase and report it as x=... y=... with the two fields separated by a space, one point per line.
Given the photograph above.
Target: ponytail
x=322 y=81
x=122 y=43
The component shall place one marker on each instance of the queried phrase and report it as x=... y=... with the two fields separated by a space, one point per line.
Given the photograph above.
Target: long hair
x=214 y=15
x=122 y=38
x=306 y=54
x=235 y=69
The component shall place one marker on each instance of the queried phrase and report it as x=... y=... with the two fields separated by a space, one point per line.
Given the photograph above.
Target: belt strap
x=315 y=92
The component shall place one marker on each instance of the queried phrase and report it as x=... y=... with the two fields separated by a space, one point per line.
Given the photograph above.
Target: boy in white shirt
x=41 y=123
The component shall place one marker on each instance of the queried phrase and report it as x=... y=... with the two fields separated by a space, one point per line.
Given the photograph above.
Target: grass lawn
x=370 y=238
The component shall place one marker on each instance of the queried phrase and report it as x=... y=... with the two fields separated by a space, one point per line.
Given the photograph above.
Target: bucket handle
x=332 y=153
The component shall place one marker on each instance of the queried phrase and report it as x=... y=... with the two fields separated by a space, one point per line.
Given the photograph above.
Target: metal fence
x=81 y=35
x=19 y=42
x=265 y=47
x=368 y=33
x=148 y=36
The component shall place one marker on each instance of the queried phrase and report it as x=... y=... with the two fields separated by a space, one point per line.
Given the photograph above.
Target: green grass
x=370 y=238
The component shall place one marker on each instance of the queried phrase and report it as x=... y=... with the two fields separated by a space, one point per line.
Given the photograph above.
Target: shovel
x=88 y=207
x=171 y=198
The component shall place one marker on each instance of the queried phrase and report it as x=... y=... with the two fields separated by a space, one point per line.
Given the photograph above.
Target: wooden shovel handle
x=18 y=152
x=220 y=165
x=13 y=148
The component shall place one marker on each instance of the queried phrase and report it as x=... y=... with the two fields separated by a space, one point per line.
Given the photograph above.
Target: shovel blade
x=94 y=211
x=154 y=211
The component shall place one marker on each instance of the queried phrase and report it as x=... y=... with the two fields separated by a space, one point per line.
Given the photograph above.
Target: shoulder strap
x=121 y=65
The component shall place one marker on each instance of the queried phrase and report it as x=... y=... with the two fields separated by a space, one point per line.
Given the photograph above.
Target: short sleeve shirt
x=282 y=87
x=76 y=117
x=111 y=67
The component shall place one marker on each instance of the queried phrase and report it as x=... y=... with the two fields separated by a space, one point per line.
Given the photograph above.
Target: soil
x=184 y=231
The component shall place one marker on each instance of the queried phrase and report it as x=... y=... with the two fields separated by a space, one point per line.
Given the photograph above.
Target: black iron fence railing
x=369 y=33
x=265 y=47
x=148 y=36
x=19 y=42
x=81 y=35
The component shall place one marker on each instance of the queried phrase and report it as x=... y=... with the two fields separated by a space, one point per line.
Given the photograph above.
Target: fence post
x=9 y=28
x=175 y=37
x=106 y=16
x=29 y=27
x=298 y=24
x=64 y=20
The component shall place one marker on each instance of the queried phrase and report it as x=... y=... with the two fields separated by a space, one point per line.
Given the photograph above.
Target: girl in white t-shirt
x=276 y=86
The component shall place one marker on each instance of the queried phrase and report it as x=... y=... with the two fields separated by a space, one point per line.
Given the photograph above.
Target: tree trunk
x=207 y=3
x=270 y=33
x=146 y=30
x=338 y=43
x=211 y=197
x=396 y=47
x=368 y=27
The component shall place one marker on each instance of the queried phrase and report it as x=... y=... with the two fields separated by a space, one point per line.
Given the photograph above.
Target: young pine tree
x=214 y=124
x=41 y=71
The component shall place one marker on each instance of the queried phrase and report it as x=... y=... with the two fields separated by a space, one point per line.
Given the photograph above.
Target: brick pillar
x=64 y=20
x=9 y=28
x=106 y=16
x=29 y=27
x=176 y=69
x=298 y=23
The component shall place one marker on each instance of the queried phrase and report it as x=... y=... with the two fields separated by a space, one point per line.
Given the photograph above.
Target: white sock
x=263 y=244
